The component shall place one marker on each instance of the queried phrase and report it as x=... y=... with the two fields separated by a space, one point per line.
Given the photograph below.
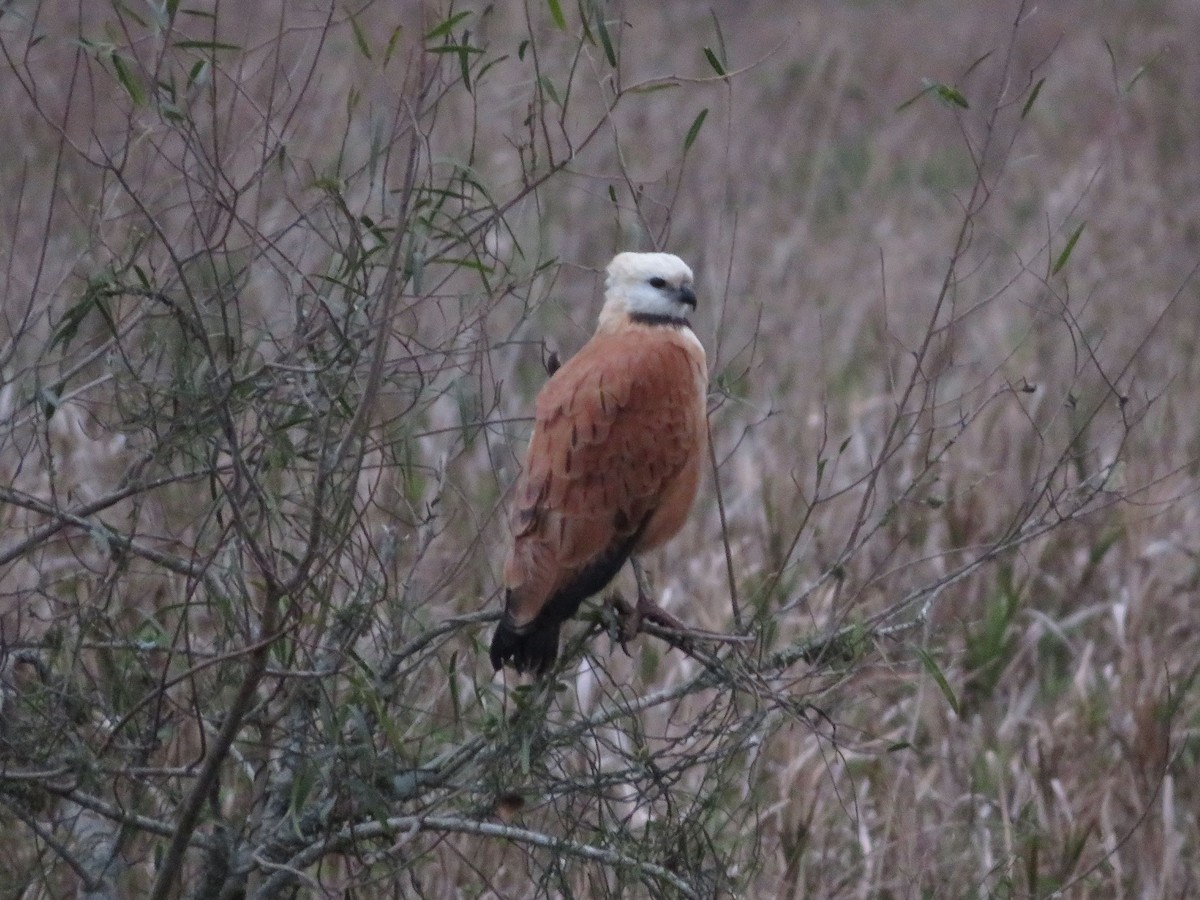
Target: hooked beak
x=688 y=296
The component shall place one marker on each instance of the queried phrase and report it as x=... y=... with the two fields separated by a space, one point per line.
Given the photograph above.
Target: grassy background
x=903 y=377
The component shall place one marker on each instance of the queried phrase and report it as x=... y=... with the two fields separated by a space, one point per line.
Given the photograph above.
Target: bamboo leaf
x=464 y=65
x=205 y=45
x=722 y=51
x=1061 y=261
x=391 y=45
x=128 y=80
x=951 y=96
x=697 y=124
x=126 y=11
x=461 y=49
x=1033 y=95
x=605 y=41
x=548 y=87
x=198 y=73
x=360 y=38
x=556 y=14
x=714 y=62
x=446 y=27
x=936 y=673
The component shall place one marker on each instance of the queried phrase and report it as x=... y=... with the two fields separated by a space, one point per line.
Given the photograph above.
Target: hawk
x=619 y=439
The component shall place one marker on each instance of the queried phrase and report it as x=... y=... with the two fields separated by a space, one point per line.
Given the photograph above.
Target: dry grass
x=958 y=480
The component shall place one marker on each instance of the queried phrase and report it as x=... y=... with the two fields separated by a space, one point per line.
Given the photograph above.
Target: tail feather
x=533 y=650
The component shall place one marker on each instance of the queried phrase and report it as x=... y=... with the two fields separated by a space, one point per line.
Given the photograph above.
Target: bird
x=614 y=461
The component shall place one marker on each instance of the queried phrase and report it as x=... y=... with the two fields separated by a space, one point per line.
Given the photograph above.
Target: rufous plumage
x=615 y=457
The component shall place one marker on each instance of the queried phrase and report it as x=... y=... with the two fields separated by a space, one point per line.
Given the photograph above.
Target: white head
x=656 y=285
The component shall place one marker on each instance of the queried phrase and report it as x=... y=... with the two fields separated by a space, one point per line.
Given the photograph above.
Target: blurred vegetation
x=279 y=283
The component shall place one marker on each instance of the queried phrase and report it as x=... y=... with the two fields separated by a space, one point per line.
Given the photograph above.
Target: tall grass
x=278 y=286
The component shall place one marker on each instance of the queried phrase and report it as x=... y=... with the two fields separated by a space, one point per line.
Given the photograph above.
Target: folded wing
x=615 y=429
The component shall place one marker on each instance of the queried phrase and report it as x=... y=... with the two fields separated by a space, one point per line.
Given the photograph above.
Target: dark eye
x=658 y=282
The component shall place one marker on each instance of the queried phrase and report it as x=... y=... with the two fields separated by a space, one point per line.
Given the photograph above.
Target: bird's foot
x=630 y=618
x=622 y=615
x=645 y=605
x=631 y=623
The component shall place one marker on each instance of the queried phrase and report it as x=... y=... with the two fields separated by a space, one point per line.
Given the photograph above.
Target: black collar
x=656 y=319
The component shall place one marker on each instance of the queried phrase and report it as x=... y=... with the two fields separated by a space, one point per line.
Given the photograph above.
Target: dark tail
x=533 y=650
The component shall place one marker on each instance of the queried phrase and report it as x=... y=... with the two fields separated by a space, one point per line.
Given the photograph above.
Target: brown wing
x=613 y=430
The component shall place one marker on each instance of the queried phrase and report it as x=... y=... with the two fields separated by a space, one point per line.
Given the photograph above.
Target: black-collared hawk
x=618 y=444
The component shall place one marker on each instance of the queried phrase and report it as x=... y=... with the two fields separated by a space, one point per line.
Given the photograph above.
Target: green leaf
x=461 y=49
x=556 y=14
x=360 y=37
x=126 y=11
x=697 y=124
x=722 y=52
x=548 y=87
x=464 y=65
x=605 y=41
x=128 y=80
x=98 y=288
x=446 y=27
x=205 y=45
x=951 y=96
x=1033 y=95
x=714 y=62
x=936 y=673
x=167 y=88
x=198 y=73
x=488 y=67
x=1066 y=251
x=391 y=45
